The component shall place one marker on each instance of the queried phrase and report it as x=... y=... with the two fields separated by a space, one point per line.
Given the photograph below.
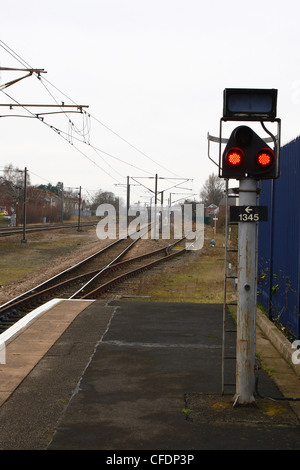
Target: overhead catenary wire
x=71 y=138
x=84 y=132
x=68 y=138
x=60 y=133
x=38 y=176
x=14 y=54
x=72 y=125
x=134 y=147
x=43 y=79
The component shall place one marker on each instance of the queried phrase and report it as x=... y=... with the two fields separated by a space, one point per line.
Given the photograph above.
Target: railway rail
x=88 y=279
x=7 y=231
x=97 y=261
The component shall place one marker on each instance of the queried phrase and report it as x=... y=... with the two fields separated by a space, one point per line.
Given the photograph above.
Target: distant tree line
x=105 y=197
x=44 y=201
x=51 y=188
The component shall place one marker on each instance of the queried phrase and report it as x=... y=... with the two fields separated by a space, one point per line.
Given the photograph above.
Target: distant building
x=211 y=210
x=7 y=196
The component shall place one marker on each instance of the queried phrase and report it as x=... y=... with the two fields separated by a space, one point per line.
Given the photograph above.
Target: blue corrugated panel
x=279 y=241
x=264 y=247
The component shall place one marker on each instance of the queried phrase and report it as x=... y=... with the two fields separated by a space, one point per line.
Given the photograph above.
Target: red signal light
x=235 y=157
x=265 y=158
x=247 y=155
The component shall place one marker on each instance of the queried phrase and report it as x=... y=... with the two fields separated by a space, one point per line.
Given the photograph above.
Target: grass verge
x=18 y=260
x=199 y=278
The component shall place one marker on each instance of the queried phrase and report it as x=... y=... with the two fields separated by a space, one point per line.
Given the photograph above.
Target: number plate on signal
x=248 y=213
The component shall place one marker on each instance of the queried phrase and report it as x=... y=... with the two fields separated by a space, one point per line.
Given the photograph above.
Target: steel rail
x=122 y=264
x=48 y=291
x=12 y=313
x=70 y=269
x=108 y=285
x=97 y=274
x=5 y=232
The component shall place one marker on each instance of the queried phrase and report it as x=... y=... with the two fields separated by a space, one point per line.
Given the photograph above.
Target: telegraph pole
x=62 y=204
x=155 y=207
x=156 y=192
x=128 y=200
x=79 y=208
x=24 y=206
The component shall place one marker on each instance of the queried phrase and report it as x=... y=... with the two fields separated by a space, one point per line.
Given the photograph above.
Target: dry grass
x=199 y=277
x=18 y=260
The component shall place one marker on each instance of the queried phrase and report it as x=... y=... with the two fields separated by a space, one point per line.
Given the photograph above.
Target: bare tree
x=11 y=187
x=14 y=175
x=212 y=191
x=105 y=197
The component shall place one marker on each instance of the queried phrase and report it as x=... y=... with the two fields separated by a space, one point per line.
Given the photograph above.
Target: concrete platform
x=24 y=344
x=136 y=376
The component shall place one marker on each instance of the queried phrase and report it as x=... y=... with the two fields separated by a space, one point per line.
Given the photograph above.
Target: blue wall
x=278 y=249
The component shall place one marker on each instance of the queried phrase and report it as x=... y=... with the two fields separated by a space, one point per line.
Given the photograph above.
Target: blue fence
x=278 y=249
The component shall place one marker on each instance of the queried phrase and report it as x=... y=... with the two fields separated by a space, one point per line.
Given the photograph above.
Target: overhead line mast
x=62 y=105
x=23 y=70
x=30 y=72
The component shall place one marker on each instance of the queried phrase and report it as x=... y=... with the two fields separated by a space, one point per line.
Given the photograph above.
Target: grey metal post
x=79 y=210
x=155 y=208
x=25 y=206
x=62 y=204
x=128 y=199
x=247 y=290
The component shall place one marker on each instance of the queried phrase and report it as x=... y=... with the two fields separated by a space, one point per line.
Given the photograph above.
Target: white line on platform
x=21 y=324
x=13 y=331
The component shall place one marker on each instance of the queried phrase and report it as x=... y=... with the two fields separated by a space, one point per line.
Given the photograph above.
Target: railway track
x=7 y=231
x=88 y=279
x=117 y=273
x=110 y=254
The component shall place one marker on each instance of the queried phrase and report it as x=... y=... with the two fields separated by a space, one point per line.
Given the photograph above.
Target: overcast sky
x=152 y=73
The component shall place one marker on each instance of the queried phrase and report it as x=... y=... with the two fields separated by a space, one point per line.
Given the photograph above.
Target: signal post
x=248 y=158
x=246 y=311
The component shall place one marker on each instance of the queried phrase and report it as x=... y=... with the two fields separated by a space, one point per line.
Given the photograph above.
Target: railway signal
x=248 y=156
